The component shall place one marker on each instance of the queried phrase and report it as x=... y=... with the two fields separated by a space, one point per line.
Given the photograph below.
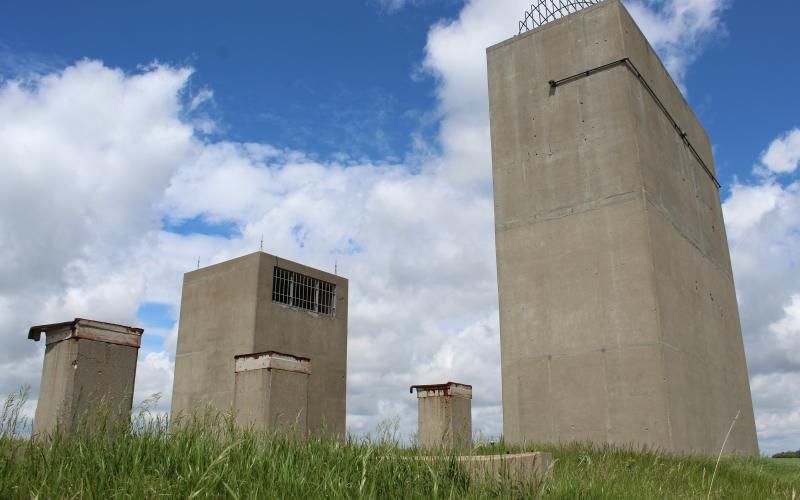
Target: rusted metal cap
x=80 y=328
x=446 y=389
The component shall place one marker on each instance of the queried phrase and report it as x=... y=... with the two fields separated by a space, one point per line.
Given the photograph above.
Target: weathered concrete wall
x=56 y=389
x=227 y=310
x=322 y=339
x=84 y=381
x=445 y=417
x=618 y=314
x=217 y=322
x=519 y=467
x=271 y=393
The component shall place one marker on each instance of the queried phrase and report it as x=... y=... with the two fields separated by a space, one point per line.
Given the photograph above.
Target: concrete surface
x=517 y=467
x=271 y=393
x=227 y=310
x=618 y=314
x=521 y=467
x=445 y=416
x=85 y=380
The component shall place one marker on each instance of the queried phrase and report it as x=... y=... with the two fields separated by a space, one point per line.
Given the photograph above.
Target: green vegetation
x=207 y=457
x=787 y=454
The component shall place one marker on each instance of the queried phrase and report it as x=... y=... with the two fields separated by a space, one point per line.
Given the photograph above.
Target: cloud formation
x=783 y=155
x=763 y=222
x=85 y=155
x=99 y=163
x=679 y=29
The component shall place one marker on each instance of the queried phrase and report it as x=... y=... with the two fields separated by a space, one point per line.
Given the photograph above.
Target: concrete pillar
x=88 y=375
x=618 y=315
x=445 y=416
x=262 y=303
x=271 y=393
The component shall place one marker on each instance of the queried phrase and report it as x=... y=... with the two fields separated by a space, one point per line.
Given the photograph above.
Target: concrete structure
x=88 y=375
x=445 y=416
x=271 y=393
x=260 y=303
x=618 y=316
x=518 y=467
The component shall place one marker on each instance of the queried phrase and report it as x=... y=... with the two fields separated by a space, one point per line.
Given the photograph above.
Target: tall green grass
x=207 y=457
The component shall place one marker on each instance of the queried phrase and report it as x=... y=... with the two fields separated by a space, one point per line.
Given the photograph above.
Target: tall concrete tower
x=618 y=315
x=262 y=307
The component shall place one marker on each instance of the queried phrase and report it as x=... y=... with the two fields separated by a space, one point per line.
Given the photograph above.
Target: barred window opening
x=303 y=292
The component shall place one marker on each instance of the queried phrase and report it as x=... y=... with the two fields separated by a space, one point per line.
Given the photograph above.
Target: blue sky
x=338 y=77
x=352 y=134
x=322 y=76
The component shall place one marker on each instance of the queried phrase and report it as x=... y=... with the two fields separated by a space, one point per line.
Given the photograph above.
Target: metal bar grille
x=303 y=292
x=544 y=11
x=632 y=67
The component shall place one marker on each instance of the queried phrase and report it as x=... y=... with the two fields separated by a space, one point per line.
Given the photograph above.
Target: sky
x=137 y=138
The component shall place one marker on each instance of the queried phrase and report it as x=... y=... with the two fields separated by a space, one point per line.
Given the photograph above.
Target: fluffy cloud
x=778 y=410
x=678 y=29
x=86 y=199
x=154 y=374
x=392 y=6
x=763 y=221
x=783 y=155
x=85 y=155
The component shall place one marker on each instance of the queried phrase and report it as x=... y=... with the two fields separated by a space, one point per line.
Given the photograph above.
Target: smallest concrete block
x=88 y=375
x=271 y=393
x=445 y=416
x=521 y=467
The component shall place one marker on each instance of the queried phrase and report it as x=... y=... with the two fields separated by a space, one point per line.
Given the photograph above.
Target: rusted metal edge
x=35 y=332
x=438 y=387
x=82 y=328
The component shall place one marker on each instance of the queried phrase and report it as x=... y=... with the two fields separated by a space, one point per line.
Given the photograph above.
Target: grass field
x=195 y=462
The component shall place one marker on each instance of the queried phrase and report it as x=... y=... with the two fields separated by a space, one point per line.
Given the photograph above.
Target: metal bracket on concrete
x=632 y=67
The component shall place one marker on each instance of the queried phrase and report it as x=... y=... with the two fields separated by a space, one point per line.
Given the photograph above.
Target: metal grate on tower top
x=544 y=11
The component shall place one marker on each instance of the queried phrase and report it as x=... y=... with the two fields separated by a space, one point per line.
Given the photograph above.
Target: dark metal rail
x=632 y=67
x=544 y=11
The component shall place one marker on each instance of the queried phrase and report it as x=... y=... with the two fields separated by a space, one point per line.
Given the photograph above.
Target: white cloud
x=787 y=330
x=85 y=156
x=95 y=189
x=204 y=95
x=783 y=155
x=763 y=222
x=154 y=374
x=392 y=6
x=679 y=29
x=778 y=411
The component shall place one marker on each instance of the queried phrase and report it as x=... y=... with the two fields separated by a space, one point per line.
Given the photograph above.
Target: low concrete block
x=517 y=467
x=522 y=467
x=271 y=393
x=88 y=375
x=445 y=416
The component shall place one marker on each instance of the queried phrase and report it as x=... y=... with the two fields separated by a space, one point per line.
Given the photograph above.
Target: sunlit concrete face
x=618 y=314
x=228 y=310
x=271 y=393
x=88 y=376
